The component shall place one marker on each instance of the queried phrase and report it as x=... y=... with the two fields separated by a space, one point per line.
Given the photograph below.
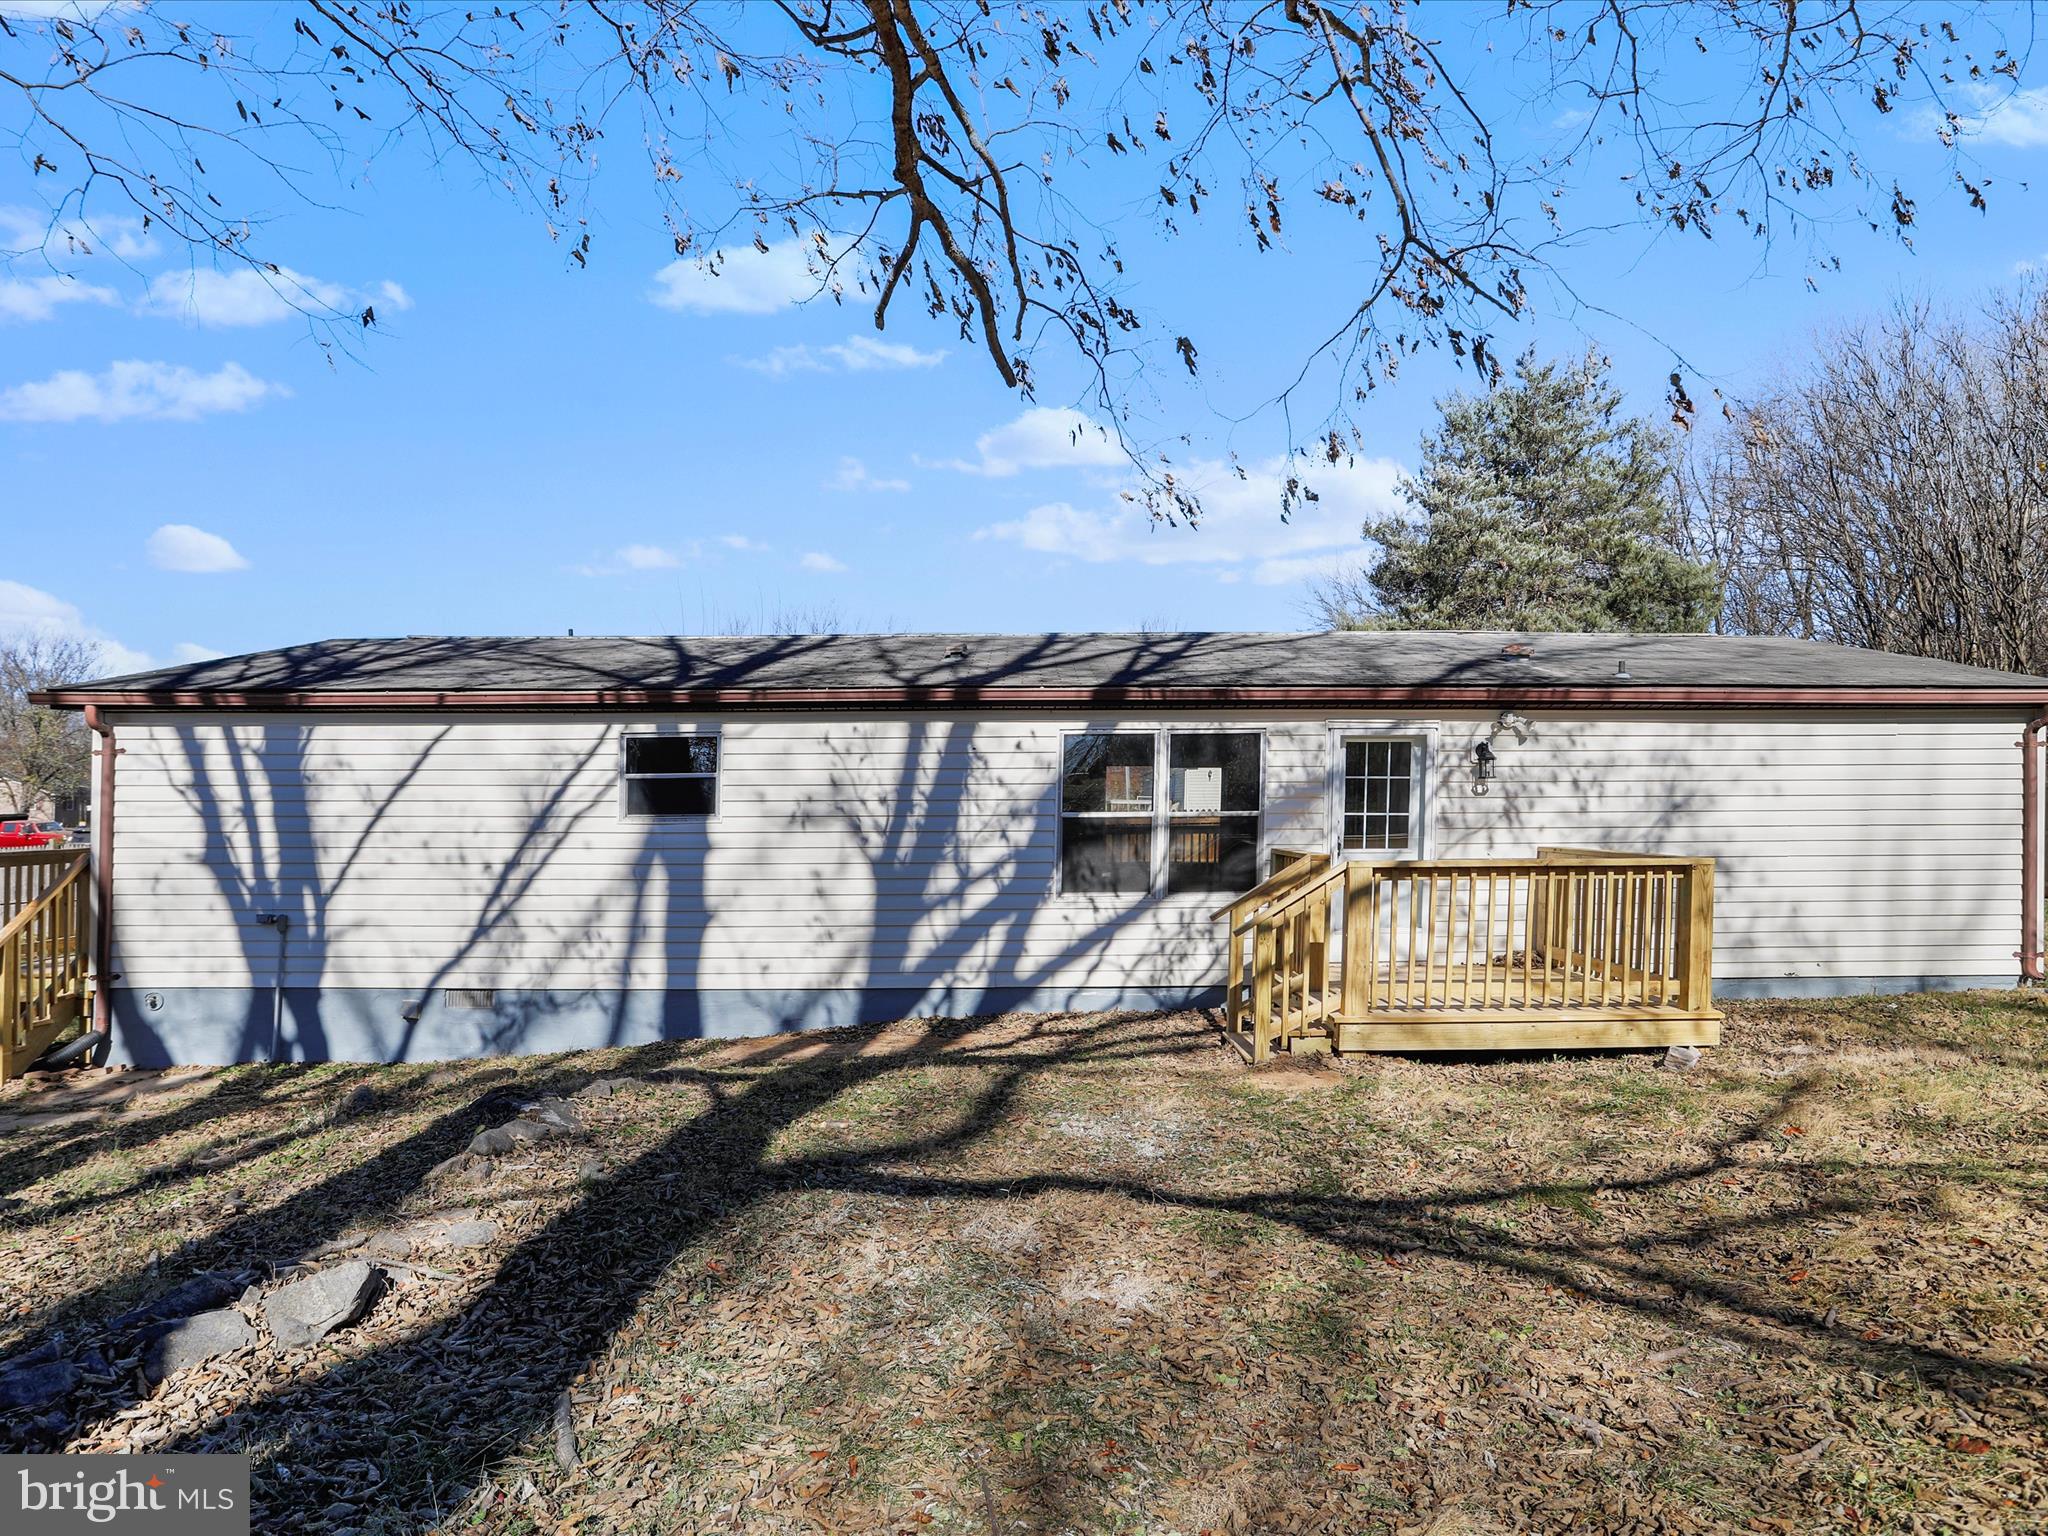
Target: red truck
x=33 y=834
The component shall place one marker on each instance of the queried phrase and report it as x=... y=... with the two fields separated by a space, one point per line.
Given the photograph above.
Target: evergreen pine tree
x=1539 y=507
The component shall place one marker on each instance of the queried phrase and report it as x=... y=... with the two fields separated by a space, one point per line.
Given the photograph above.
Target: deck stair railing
x=43 y=953
x=1572 y=934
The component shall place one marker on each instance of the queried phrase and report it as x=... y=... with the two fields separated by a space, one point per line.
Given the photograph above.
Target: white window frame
x=673 y=818
x=1162 y=809
x=1422 y=797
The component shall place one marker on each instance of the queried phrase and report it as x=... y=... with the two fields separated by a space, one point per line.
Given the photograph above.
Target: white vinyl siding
x=867 y=851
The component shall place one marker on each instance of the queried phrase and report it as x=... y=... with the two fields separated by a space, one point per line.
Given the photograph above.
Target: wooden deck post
x=1696 y=937
x=1360 y=924
x=1262 y=992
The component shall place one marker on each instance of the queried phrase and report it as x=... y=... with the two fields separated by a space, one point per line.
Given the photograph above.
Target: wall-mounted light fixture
x=1483 y=755
x=1482 y=765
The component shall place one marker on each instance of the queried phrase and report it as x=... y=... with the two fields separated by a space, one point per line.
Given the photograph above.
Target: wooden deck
x=1574 y=948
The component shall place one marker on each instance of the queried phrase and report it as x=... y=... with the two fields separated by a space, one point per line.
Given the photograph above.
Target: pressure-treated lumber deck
x=1573 y=949
x=42 y=953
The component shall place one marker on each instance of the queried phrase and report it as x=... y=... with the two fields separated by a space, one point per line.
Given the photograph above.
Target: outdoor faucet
x=282 y=922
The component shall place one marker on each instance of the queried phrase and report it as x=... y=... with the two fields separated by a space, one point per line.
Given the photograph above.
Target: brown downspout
x=2030 y=850
x=103 y=874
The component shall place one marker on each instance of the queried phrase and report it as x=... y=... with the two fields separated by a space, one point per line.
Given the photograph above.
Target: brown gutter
x=948 y=696
x=2030 y=850
x=103 y=873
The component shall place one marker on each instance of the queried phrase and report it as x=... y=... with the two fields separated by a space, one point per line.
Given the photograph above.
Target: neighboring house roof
x=1428 y=667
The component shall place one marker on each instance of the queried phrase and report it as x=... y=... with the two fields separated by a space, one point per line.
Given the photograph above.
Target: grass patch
x=1086 y=1273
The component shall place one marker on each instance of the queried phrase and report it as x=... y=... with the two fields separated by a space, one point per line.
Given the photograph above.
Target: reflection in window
x=1213 y=811
x=1106 y=812
x=1379 y=795
x=670 y=775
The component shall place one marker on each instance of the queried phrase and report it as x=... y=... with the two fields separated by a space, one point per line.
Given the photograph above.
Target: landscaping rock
x=601 y=1088
x=195 y=1295
x=1681 y=1058
x=31 y=1386
x=307 y=1310
x=451 y=1229
x=566 y=1457
x=451 y=1167
x=194 y=1340
x=548 y=1119
x=589 y=1171
x=559 y=1115
x=359 y=1100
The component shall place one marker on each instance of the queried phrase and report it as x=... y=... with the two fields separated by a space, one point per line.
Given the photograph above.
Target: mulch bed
x=1089 y=1273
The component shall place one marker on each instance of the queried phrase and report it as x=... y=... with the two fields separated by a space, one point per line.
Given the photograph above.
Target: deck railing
x=1571 y=933
x=43 y=949
x=25 y=873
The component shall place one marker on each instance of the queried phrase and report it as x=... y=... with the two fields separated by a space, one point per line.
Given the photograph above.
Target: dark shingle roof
x=1420 y=660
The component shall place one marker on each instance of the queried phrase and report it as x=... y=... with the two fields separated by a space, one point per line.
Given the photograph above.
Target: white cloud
x=136 y=390
x=743 y=544
x=37 y=298
x=187 y=651
x=857 y=354
x=25 y=609
x=629 y=558
x=51 y=10
x=2017 y=119
x=194 y=551
x=649 y=557
x=24 y=229
x=741 y=280
x=1044 y=437
x=852 y=475
x=1240 y=527
x=241 y=296
x=818 y=560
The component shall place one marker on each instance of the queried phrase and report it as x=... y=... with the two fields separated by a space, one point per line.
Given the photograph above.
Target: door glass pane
x=1378 y=795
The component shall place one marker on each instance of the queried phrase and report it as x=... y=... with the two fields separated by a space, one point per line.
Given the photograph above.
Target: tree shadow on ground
x=439 y=1408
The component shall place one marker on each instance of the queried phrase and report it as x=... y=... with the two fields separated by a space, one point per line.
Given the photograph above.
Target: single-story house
x=397 y=849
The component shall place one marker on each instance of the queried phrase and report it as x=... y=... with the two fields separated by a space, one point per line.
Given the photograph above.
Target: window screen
x=671 y=775
x=1106 y=812
x=1379 y=795
x=1213 y=811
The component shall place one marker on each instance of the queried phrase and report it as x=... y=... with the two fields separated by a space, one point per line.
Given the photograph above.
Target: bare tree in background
x=1894 y=492
x=968 y=158
x=45 y=754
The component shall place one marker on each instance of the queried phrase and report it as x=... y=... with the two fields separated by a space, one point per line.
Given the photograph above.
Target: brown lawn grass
x=1088 y=1273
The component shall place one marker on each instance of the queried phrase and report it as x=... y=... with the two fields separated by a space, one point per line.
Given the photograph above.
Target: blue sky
x=527 y=447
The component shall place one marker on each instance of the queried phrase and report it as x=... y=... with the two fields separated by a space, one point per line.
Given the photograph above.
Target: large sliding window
x=1114 y=824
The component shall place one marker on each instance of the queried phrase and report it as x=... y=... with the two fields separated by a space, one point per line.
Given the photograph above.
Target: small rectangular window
x=1379 y=795
x=1106 y=812
x=1213 y=812
x=670 y=775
